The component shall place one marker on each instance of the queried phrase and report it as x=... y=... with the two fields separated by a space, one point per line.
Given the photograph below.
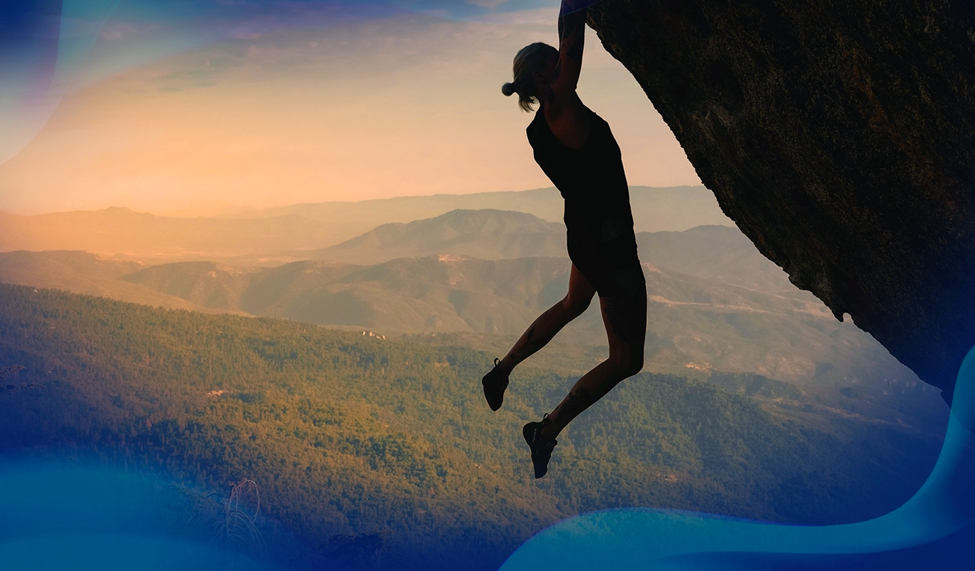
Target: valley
x=343 y=379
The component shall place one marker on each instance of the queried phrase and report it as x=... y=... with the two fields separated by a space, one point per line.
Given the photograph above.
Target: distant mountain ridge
x=275 y=234
x=485 y=234
x=122 y=232
x=655 y=209
x=714 y=252
x=85 y=273
x=715 y=302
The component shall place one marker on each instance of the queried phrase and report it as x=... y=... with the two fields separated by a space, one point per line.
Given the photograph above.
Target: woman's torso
x=590 y=179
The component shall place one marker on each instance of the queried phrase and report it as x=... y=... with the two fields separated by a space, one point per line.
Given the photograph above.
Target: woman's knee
x=628 y=363
x=576 y=305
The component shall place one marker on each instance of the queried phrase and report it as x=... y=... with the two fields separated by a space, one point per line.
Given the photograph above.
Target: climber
x=576 y=150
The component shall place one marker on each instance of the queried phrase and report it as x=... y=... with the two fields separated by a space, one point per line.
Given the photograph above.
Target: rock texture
x=840 y=137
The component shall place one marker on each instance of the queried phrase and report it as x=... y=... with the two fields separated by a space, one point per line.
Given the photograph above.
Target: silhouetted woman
x=577 y=151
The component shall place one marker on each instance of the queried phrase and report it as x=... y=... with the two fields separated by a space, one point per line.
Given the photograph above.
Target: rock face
x=840 y=137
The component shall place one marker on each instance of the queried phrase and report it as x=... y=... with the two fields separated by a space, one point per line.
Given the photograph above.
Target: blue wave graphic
x=65 y=514
x=41 y=50
x=934 y=529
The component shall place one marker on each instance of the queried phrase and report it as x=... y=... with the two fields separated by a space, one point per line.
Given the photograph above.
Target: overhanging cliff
x=840 y=138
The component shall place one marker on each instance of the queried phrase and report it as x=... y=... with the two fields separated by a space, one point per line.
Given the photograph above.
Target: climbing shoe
x=495 y=383
x=541 y=449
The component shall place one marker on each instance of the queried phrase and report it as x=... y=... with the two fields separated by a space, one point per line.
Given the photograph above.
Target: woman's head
x=537 y=57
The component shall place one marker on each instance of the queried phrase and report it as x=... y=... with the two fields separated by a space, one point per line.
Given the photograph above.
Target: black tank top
x=590 y=179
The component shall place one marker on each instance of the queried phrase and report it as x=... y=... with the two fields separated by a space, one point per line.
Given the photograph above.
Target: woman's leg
x=552 y=321
x=625 y=318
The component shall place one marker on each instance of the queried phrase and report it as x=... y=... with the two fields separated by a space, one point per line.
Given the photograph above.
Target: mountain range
x=364 y=444
x=485 y=234
x=275 y=235
x=715 y=302
x=721 y=253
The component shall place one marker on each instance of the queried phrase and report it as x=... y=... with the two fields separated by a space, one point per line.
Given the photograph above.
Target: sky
x=209 y=107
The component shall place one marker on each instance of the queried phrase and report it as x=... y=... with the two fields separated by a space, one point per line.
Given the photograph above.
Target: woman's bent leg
x=552 y=321
x=625 y=318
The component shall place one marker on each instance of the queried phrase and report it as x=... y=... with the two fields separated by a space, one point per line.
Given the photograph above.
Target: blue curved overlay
x=58 y=515
x=45 y=52
x=933 y=529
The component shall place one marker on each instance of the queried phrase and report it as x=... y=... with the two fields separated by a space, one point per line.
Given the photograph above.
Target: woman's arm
x=572 y=34
x=564 y=112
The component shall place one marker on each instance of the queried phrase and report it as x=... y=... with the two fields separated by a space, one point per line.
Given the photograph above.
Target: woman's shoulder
x=538 y=125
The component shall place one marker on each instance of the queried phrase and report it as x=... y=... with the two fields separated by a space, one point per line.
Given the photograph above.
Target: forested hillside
x=379 y=444
x=695 y=322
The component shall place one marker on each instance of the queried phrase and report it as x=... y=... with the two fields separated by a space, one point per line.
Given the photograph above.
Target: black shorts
x=611 y=266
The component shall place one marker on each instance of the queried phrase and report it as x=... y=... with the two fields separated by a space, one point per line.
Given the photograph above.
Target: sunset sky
x=210 y=107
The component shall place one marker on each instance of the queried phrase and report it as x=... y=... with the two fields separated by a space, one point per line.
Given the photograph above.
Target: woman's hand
x=572 y=34
x=570 y=6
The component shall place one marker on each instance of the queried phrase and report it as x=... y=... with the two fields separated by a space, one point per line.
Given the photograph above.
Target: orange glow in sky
x=402 y=106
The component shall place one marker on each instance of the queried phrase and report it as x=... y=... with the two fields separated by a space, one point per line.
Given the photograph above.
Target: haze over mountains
x=276 y=235
x=715 y=302
x=713 y=252
x=694 y=322
x=81 y=272
x=484 y=234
